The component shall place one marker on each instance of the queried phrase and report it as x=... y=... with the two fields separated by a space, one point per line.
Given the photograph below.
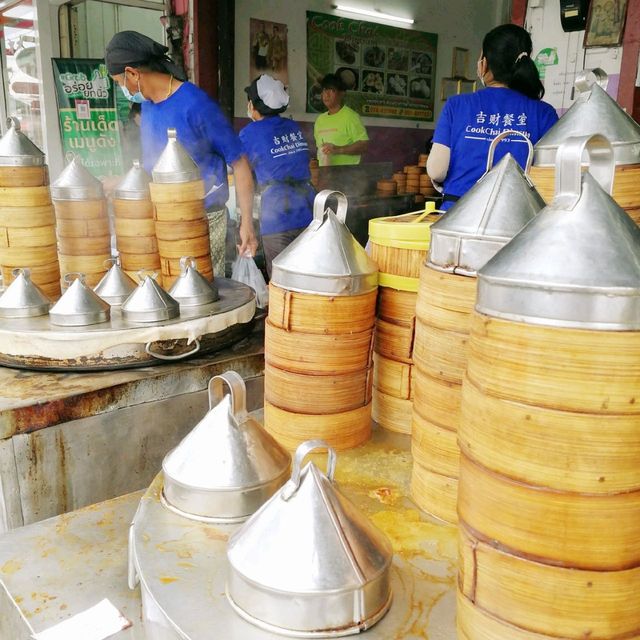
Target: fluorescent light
x=373 y=13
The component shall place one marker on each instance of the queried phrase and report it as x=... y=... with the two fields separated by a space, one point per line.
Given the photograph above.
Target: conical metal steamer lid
x=593 y=112
x=577 y=264
x=115 y=286
x=134 y=185
x=16 y=150
x=149 y=302
x=477 y=226
x=325 y=258
x=76 y=183
x=79 y=305
x=309 y=563
x=192 y=289
x=228 y=466
x=22 y=298
x=174 y=163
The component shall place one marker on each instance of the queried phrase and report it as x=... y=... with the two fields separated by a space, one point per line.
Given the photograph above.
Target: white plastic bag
x=246 y=271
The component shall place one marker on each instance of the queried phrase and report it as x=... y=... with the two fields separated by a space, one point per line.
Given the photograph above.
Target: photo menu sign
x=389 y=72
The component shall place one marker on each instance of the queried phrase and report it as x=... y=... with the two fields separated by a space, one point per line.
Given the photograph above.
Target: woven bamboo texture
x=390 y=412
x=569 y=369
x=24 y=176
x=28 y=256
x=573 y=529
x=315 y=354
x=133 y=209
x=131 y=228
x=566 y=451
x=394 y=341
x=23 y=217
x=398 y=307
x=397 y=261
x=539 y=598
x=25 y=196
x=140 y=245
x=93 y=264
x=343 y=430
x=179 y=212
x=436 y=400
x=392 y=377
x=134 y=262
x=303 y=393
x=80 y=209
x=447 y=291
x=97 y=245
x=28 y=236
x=172 y=193
x=46 y=274
x=311 y=313
x=171 y=266
x=181 y=229
x=187 y=247
x=434 y=447
x=439 y=353
x=434 y=493
x=83 y=228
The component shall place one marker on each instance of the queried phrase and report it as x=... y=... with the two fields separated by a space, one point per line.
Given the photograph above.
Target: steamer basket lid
x=593 y=112
x=325 y=258
x=174 y=164
x=22 y=298
x=115 y=286
x=16 y=150
x=79 y=305
x=149 y=302
x=191 y=288
x=134 y=185
x=227 y=454
x=309 y=542
x=577 y=264
x=76 y=183
x=477 y=226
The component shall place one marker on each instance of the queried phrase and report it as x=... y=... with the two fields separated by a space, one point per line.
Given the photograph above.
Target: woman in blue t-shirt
x=144 y=72
x=279 y=155
x=510 y=100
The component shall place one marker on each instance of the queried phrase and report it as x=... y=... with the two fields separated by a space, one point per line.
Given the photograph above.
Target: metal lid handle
x=302 y=452
x=141 y=274
x=26 y=272
x=319 y=208
x=502 y=136
x=73 y=275
x=12 y=121
x=569 y=168
x=172 y=135
x=185 y=263
x=237 y=391
x=586 y=79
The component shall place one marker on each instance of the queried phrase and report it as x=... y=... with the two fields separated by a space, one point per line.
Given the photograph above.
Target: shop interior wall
x=458 y=23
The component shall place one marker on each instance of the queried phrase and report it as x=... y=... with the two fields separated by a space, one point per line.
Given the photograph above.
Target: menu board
x=388 y=72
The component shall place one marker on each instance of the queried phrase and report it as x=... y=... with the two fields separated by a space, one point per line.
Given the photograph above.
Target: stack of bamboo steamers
x=398 y=246
x=475 y=228
x=319 y=334
x=27 y=220
x=595 y=112
x=549 y=498
x=84 y=237
x=181 y=227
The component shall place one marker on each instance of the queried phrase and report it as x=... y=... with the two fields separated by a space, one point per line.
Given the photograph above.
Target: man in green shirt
x=339 y=133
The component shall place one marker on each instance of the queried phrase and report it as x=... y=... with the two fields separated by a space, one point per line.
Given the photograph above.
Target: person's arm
x=438 y=162
x=243 y=179
x=355 y=148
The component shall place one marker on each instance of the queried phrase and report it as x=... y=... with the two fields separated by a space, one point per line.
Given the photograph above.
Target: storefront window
x=20 y=67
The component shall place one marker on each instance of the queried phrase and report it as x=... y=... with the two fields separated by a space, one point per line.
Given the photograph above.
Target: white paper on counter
x=97 y=623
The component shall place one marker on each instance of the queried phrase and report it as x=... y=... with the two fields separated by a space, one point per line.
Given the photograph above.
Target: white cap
x=272 y=92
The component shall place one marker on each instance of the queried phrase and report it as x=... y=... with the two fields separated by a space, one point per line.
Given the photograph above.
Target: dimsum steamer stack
x=549 y=498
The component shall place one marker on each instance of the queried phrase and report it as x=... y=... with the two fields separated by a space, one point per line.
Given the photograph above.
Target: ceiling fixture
x=373 y=13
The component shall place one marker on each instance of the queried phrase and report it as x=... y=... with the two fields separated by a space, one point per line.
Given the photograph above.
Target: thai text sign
x=388 y=72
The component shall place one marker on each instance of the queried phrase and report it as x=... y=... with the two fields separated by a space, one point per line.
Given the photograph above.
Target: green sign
x=388 y=72
x=89 y=124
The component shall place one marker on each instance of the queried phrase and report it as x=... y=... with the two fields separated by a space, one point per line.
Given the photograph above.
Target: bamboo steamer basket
x=434 y=448
x=27 y=237
x=177 y=193
x=309 y=353
x=51 y=289
x=142 y=245
x=301 y=393
x=91 y=264
x=188 y=247
x=91 y=279
x=181 y=229
x=171 y=266
x=447 y=291
x=394 y=341
x=566 y=451
x=544 y=599
x=393 y=378
x=83 y=228
x=386 y=187
x=40 y=275
x=435 y=493
x=397 y=306
x=25 y=196
x=390 y=412
x=134 y=262
x=436 y=400
x=343 y=430
x=131 y=228
x=28 y=256
x=84 y=246
x=24 y=176
x=414 y=170
x=566 y=369
x=573 y=529
x=133 y=209
x=318 y=314
x=440 y=354
x=422 y=159
x=80 y=209
x=25 y=217
x=181 y=212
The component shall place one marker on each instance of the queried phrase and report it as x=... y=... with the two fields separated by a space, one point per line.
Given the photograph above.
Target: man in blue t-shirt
x=140 y=66
x=279 y=155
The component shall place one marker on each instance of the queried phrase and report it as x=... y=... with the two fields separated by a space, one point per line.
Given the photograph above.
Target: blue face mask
x=133 y=97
